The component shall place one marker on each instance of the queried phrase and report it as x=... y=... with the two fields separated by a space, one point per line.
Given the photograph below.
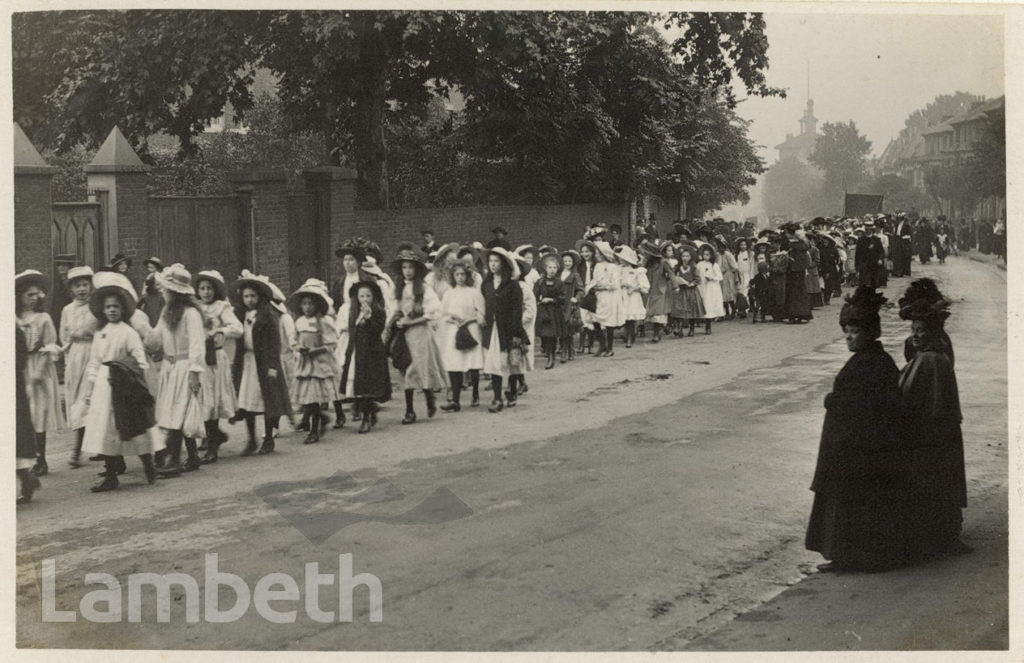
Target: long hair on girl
x=417 y=291
x=175 y=307
x=353 y=314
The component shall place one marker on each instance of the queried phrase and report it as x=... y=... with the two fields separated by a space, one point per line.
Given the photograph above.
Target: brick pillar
x=33 y=246
x=118 y=178
x=335 y=191
x=267 y=190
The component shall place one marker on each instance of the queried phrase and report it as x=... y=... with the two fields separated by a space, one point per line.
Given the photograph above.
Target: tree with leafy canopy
x=343 y=73
x=788 y=188
x=840 y=151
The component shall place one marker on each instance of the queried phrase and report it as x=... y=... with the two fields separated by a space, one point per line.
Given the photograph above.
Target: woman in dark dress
x=932 y=403
x=860 y=482
x=919 y=291
x=365 y=380
x=798 y=301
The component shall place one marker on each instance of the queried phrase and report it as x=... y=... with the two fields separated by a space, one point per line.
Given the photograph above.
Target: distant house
x=264 y=82
x=945 y=143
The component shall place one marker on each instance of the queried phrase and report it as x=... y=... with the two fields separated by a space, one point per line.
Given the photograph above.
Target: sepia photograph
x=637 y=328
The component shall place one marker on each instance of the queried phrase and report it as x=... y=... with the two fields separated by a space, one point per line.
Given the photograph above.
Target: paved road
x=636 y=503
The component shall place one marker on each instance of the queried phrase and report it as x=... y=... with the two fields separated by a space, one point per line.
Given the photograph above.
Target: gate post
x=267 y=192
x=334 y=189
x=118 y=174
x=32 y=205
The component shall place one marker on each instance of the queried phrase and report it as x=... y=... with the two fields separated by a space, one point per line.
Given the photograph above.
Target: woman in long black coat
x=798 y=301
x=861 y=479
x=932 y=401
x=365 y=379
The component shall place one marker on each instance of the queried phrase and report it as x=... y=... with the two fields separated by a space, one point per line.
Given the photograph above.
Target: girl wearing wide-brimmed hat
x=317 y=371
x=573 y=285
x=221 y=324
x=365 y=379
x=503 y=321
x=439 y=277
x=462 y=312
x=120 y=420
x=607 y=283
x=41 y=367
x=710 y=286
x=518 y=369
x=181 y=337
x=418 y=307
x=77 y=325
x=635 y=286
x=527 y=255
x=662 y=288
x=256 y=372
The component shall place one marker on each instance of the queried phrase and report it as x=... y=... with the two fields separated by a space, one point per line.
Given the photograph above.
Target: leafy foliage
x=560 y=106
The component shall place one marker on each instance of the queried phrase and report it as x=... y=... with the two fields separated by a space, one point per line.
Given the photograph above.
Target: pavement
x=654 y=501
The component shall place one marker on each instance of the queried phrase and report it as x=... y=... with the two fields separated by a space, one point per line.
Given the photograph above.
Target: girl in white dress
x=607 y=283
x=181 y=337
x=221 y=324
x=112 y=303
x=746 y=265
x=462 y=308
x=710 y=286
x=41 y=368
x=635 y=286
x=418 y=305
x=77 y=325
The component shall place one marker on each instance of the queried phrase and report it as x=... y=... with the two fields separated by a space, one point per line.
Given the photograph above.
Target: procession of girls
x=444 y=320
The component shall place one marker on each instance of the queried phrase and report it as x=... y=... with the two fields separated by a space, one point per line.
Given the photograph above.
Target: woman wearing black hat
x=932 y=401
x=860 y=481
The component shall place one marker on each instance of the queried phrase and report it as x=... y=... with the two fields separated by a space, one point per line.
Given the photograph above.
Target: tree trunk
x=368 y=126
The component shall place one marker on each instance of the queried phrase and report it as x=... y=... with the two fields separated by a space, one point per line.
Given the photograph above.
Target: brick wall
x=558 y=225
x=32 y=223
x=133 y=221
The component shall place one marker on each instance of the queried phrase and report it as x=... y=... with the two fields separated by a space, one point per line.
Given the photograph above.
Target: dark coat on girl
x=550 y=321
x=862 y=476
x=371 y=379
x=266 y=343
x=25 y=442
x=660 y=296
x=760 y=293
x=504 y=308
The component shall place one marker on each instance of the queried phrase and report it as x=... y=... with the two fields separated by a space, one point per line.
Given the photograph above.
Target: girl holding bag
x=462 y=313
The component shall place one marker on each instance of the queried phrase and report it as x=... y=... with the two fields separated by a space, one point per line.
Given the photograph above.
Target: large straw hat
x=508 y=259
x=213 y=277
x=260 y=284
x=106 y=284
x=444 y=250
x=177 y=279
x=29 y=278
x=407 y=252
x=311 y=288
x=627 y=254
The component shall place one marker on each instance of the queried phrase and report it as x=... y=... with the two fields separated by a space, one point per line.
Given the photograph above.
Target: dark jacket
x=133 y=404
x=504 y=308
x=862 y=449
x=25 y=434
x=371 y=380
x=499 y=243
x=799 y=253
x=337 y=287
x=266 y=342
x=551 y=316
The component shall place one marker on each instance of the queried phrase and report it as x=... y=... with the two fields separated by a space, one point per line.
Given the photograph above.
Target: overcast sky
x=872 y=68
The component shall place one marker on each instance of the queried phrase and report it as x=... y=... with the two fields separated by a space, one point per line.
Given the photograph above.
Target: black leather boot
x=339 y=415
x=192 y=463
x=147 y=467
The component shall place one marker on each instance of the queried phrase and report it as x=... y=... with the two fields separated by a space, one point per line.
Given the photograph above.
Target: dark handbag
x=589 y=301
x=399 y=350
x=211 y=352
x=464 y=339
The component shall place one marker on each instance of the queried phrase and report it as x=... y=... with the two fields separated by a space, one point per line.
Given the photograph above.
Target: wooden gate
x=203 y=232
x=77 y=230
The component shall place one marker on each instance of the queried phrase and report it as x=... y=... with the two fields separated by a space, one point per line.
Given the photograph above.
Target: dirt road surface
x=653 y=501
